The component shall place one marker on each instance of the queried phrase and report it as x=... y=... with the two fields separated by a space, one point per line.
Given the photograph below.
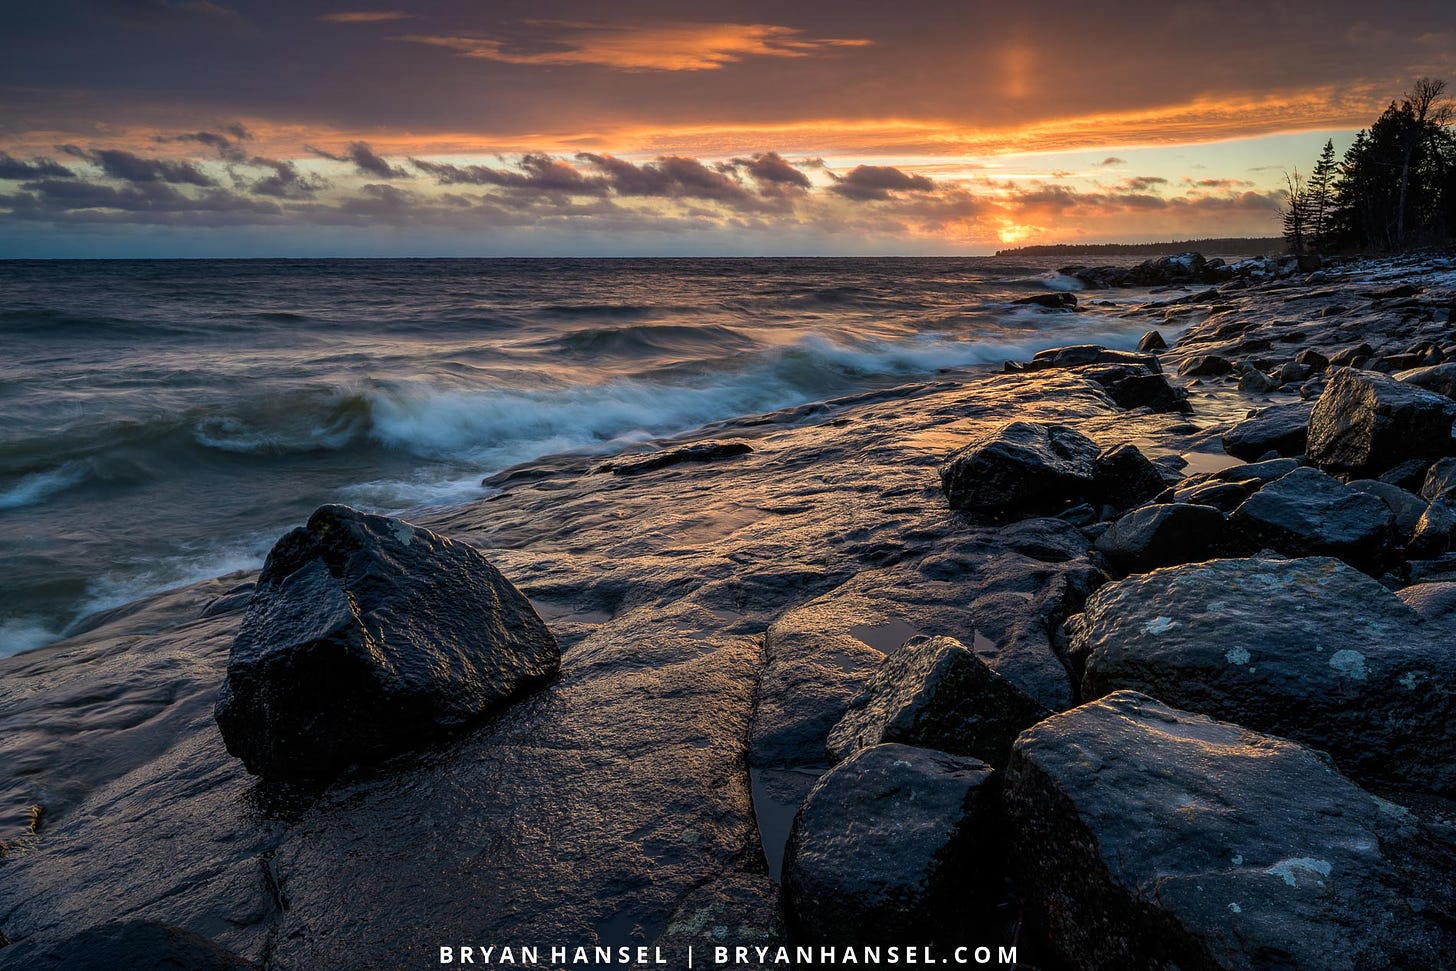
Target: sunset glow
x=548 y=129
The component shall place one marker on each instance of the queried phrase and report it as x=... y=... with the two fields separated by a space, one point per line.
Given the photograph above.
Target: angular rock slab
x=1308 y=513
x=1365 y=422
x=367 y=635
x=1163 y=535
x=1147 y=837
x=891 y=846
x=1283 y=429
x=1309 y=649
x=1022 y=468
x=936 y=694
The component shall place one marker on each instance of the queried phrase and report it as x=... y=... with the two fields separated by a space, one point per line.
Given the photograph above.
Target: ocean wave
x=290 y=425
x=476 y=422
x=640 y=340
x=501 y=426
x=1060 y=281
x=37 y=487
x=24 y=633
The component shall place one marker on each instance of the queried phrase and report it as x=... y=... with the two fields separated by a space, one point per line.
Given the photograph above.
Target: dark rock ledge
x=1022 y=658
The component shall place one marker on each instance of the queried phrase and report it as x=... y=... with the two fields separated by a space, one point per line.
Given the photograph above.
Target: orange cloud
x=659 y=47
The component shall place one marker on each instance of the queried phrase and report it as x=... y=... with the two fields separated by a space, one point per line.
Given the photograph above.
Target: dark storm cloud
x=36 y=168
x=769 y=168
x=537 y=172
x=227 y=143
x=285 y=180
x=130 y=167
x=1281 y=66
x=670 y=177
x=875 y=182
x=55 y=200
x=364 y=159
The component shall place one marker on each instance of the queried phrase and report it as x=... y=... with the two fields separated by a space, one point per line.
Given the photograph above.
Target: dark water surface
x=164 y=421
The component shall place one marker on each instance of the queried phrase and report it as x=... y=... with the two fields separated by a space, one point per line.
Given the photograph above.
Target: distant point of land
x=1227 y=246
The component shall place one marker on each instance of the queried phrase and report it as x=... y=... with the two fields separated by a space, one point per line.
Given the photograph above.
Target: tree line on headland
x=1231 y=245
x=1394 y=189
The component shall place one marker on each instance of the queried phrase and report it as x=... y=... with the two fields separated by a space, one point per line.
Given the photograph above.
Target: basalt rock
x=135 y=945
x=1282 y=429
x=366 y=636
x=1147 y=837
x=1309 y=649
x=698 y=452
x=1051 y=301
x=1308 y=513
x=1123 y=477
x=1440 y=378
x=1205 y=366
x=936 y=694
x=1364 y=423
x=1406 y=506
x=893 y=845
x=1020 y=469
x=1435 y=532
x=1440 y=481
x=1152 y=341
x=1163 y=535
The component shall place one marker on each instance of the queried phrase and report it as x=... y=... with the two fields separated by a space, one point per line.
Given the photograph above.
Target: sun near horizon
x=203 y=128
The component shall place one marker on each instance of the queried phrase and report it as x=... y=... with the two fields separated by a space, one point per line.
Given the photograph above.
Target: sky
x=638 y=127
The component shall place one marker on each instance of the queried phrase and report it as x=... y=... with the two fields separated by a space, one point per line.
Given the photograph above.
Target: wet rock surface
x=889 y=845
x=1281 y=429
x=135 y=945
x=1308 y=513
x=1148 y=837
x=1163 y=535
x=936 y=694
x=366 y=636
x=717 y=621
x=697 y=452
x=1309 y=649
x=1022 y=468
x=1365 y=423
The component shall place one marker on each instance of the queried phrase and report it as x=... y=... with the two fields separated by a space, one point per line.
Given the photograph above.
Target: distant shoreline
x=1237 y=245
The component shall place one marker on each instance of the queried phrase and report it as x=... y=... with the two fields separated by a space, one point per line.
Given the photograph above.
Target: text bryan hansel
x=530 y=955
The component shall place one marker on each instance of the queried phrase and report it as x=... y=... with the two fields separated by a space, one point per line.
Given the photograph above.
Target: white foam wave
x=37 y=487
x=23 y=633
x=478 y=431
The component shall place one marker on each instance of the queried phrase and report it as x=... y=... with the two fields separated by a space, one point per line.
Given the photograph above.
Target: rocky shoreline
x=1120 y=658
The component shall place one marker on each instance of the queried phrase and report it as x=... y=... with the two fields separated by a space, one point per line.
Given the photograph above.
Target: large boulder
x=1147 y=837
x=1440 y=378
x=1365 y=422
x=1406 y=506
x=1310 y=649
x=935 y=693
x=1123 y=477
x=1308 y=513
x=1020 y=469
x=892 y=846
x=1163 y=535
x=1440 y=481
x=367 y=635
x=1435 y=532
x=1282 y=429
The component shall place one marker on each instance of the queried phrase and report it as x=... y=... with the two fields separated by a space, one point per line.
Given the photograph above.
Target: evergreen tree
x=1321 y=195
x=1396 y=184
